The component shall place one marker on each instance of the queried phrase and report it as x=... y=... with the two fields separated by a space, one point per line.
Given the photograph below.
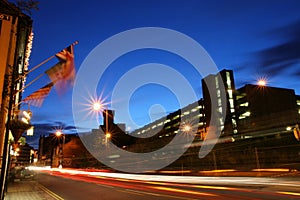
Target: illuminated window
x=168 y=120
x=153 y=127
x=217 y=82
x=218 y=93
x=194 y=110
x=247 y=114
x=177 y=124
x=221 y=120
x=186 y=113
x=177 y=116
x=161 y=123
x=231 y=103
x=244 y=115
x=230 y=94
x=220 y=109
x=234 y=122
x=246 y=104
x=228 y=81
x=219 y=102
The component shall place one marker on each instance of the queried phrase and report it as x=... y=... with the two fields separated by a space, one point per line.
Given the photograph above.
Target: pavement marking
x=52 y=194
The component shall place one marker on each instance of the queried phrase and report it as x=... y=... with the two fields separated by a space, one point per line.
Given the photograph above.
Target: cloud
x=45 y=129
x=283 y=57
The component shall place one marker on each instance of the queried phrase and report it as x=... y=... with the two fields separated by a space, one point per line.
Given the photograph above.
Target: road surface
x=70 y=185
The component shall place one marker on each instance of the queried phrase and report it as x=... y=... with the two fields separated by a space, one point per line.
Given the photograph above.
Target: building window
x=228 y=80
x=246 y=104
x=177 y=116
x=217 y=82
x=230 y=94
x=168 y=120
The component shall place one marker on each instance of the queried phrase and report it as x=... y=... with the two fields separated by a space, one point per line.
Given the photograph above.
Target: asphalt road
x=71 y=186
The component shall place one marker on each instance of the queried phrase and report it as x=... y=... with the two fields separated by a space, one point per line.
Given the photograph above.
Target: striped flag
x=37 y=98
x=63 y=73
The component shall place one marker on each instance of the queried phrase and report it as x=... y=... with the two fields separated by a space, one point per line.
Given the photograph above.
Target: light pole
x=59 y=134
x=101 y=107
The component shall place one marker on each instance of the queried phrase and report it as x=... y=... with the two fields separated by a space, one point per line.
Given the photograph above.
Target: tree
x=27 y=5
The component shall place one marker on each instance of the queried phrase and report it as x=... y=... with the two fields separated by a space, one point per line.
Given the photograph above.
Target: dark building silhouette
x=265 y=108
x=115 y=132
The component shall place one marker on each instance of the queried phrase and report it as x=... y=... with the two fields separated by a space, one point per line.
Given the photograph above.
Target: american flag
x=37 y=98
x=63 y=73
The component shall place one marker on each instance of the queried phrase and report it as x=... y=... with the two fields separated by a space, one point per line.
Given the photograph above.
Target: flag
x=63 y=73
x=37 y=98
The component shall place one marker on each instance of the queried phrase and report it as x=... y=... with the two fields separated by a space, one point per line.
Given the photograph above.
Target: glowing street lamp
x=187 y=128
x=99 y=106
x=262 y=82
x=58 y=133
x=108 y=135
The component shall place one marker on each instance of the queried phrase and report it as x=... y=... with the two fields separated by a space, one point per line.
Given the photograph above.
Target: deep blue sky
x=257 y=38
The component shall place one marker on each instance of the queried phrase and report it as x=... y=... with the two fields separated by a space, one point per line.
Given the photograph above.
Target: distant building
x=219 y=91
x=188 y=120
x=73 y=154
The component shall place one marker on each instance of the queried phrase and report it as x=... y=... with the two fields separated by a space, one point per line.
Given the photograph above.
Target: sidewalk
x=27 y=190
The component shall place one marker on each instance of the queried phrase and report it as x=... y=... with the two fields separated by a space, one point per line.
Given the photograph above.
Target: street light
x=99 y=106
x=262 y=82
x=60 y=134
x=187 y=128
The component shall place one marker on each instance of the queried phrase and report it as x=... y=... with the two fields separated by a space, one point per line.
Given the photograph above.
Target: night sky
x=254 y=38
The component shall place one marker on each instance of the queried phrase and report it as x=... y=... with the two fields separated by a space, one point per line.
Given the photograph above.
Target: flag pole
x=26 y=86
x=45 y=61
x=37 y=66
x=42 y=63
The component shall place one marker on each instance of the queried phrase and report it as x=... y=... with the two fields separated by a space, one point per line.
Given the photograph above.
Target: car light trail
x=183 y=191
x=290 y=193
